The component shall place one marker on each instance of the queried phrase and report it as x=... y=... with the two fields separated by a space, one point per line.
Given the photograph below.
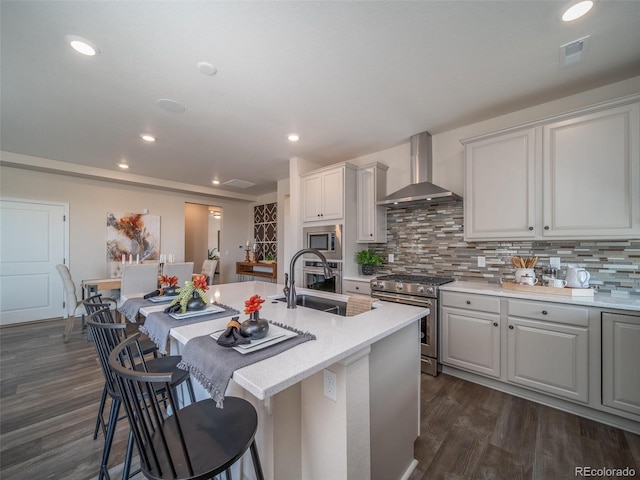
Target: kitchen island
x=368 y=431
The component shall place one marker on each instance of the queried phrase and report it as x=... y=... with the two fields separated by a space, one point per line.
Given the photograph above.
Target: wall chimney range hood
x=421 y=191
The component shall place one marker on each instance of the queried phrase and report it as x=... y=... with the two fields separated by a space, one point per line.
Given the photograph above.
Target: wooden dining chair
x=107 y=336
x=198 y=441
x=183 y=271
x=103 y=314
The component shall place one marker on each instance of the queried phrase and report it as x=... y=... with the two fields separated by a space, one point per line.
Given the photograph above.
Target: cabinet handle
x=357 y=288
x=468 y=302
x=546 y=227
x=495 y=324
x=530 y=228
x=371 y=234
x=510 y=327
x=544 y=312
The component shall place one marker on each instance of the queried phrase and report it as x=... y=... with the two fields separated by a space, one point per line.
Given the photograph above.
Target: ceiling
x=350 y=78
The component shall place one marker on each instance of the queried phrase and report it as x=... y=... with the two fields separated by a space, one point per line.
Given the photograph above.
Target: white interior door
x=32 y=243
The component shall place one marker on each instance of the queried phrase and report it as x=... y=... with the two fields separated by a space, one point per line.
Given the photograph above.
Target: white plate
x=274 y=335
x=162 y=298
x=211 y=308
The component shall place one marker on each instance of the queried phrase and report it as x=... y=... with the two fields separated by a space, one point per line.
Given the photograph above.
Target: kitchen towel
x=159 y=324
x=213 y=365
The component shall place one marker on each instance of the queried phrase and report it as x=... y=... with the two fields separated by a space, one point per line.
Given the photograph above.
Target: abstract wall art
x=131 y=236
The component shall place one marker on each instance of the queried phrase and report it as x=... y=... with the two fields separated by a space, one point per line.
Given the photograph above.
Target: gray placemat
x=159 y=324
x=213 y=365
x=132 y=306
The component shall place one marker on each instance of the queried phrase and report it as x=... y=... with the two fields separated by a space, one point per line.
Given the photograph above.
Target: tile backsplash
x=429 y=240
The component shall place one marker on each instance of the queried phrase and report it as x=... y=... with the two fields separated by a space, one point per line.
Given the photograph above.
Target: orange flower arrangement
x=200 y=283
x=253 y=304
x=167 y=281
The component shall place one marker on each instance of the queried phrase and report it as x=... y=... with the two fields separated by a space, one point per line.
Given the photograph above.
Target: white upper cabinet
x=323 y=195
x=590 y=175
x=372 y=219
x=500 y=186
x=575 y=177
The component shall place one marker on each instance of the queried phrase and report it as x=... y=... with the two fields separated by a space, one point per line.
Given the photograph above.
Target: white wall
x=448 y=152
x=90 y=200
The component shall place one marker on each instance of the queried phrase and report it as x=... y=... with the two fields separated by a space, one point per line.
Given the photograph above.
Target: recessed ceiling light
x=147 y=138
x=293 y=137
x=577 y=10
x=216 y=182
x=123 y=164
x=82 y=45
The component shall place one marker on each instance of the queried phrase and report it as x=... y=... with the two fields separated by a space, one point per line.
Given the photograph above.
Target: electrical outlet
x=482 y=262
x=330 y=387
x=554 y=262
x=391 y=258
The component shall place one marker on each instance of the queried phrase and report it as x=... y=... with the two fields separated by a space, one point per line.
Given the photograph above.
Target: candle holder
x=255 y=257
x=247 y=258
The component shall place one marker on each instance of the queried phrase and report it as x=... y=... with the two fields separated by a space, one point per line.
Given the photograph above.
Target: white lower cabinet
x=362 y=287
x=620 y=362
x=549 y=357
x=470 y=336
x=548 y=348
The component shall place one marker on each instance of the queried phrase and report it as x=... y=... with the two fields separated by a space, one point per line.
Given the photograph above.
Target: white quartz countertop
x=337 y=337
x=600 y=300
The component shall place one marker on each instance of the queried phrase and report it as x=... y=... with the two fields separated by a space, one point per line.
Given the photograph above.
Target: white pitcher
x=577 y=277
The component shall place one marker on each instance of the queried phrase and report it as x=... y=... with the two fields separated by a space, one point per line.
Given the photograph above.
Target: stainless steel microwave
x=327 y=239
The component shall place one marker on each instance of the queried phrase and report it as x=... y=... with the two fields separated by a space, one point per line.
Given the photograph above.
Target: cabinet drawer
x=471 y=301
x=352 y=286
x=549 y=312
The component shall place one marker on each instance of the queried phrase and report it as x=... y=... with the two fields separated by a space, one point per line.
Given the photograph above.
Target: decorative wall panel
x=265 y=229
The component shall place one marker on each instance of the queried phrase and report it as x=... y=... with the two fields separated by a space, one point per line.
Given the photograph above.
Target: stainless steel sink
x=322 y=304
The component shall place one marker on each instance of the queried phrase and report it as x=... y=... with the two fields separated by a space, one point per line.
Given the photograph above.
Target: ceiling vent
x=574 y=52
x=238 y=183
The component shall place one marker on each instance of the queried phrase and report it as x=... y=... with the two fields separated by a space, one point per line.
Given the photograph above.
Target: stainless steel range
x=422 y=291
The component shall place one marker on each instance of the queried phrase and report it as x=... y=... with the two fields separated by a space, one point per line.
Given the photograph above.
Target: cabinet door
x=371 y=219
x=471 y=340
x=548 y=357
x=500 y=186
x=312 y=197
x=333 y=194
x=620 y=362
x=591 y=174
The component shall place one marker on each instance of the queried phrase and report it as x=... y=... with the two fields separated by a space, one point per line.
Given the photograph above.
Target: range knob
x=399 y=287
x=420 y=289
x=378 y=284
x=429 y=291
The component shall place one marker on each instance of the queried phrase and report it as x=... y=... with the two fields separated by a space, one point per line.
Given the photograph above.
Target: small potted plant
x=269 y=258
x=213 y=254
x=368 y=260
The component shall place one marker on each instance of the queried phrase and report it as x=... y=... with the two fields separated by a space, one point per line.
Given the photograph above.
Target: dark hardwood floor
x=49 y=395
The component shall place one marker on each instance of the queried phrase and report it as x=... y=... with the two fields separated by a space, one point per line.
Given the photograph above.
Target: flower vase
x=254 y=327
x=196 y=303
x=170 y=291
